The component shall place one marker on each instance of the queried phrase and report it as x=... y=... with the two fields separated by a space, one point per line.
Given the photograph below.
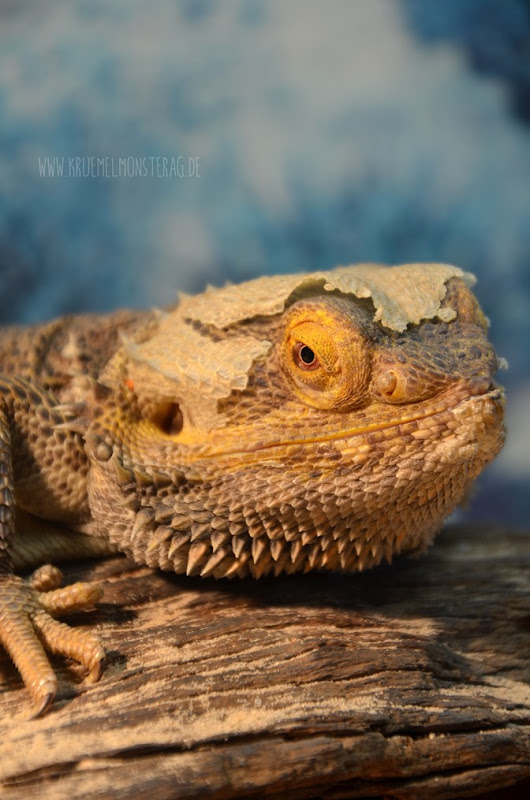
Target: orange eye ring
x=304 y=357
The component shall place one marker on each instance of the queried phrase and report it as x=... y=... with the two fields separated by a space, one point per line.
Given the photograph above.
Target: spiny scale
x=222 y=555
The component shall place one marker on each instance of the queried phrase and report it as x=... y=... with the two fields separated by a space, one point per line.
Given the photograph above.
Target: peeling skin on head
x=401 y=295
x=207 y=370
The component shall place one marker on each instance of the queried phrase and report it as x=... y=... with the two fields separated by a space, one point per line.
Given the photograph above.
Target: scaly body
x=321 y=421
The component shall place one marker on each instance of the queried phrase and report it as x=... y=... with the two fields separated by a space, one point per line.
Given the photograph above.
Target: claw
x=44 y=705
x=97 y=671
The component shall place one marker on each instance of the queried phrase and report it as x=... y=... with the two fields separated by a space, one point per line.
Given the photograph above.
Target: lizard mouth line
x=495 y=395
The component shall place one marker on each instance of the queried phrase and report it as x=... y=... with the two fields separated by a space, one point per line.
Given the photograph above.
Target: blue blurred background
x=318 y=133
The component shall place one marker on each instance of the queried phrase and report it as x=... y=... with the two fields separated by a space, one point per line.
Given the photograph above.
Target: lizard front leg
x=28 y=608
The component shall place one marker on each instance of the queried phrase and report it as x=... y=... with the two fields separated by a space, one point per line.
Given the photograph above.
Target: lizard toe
x=28 y=629
x=75 y=597
x=82 y=646
x=45 y=578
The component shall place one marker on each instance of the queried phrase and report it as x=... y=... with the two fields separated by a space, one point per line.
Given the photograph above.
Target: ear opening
x=168 y=417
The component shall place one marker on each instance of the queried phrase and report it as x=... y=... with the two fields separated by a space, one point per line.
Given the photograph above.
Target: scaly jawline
x=493 y=394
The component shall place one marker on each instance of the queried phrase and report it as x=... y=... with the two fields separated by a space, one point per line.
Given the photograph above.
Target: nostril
x=480 y=384
x=476 y=352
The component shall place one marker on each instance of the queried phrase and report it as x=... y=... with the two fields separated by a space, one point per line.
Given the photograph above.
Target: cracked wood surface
x=409 y=681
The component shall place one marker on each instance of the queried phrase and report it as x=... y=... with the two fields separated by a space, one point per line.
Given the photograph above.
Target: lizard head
x=346 y=412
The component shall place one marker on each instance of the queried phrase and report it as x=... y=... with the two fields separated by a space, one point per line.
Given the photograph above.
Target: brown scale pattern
x=267 y=535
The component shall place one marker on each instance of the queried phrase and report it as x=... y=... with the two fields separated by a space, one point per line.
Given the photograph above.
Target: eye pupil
x=305 y=357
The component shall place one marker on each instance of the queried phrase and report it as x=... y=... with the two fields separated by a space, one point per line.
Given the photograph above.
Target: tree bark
x=406 y=681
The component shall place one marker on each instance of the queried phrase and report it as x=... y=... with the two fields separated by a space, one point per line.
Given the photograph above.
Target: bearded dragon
x=321 y=421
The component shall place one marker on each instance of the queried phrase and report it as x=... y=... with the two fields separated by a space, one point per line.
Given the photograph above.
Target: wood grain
x=409 y=681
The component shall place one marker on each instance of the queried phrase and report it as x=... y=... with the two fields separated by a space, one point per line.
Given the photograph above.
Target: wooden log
x=407 y=681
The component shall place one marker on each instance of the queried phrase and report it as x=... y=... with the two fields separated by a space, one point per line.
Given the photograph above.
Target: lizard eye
x=305 y=357
x=324 y=357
